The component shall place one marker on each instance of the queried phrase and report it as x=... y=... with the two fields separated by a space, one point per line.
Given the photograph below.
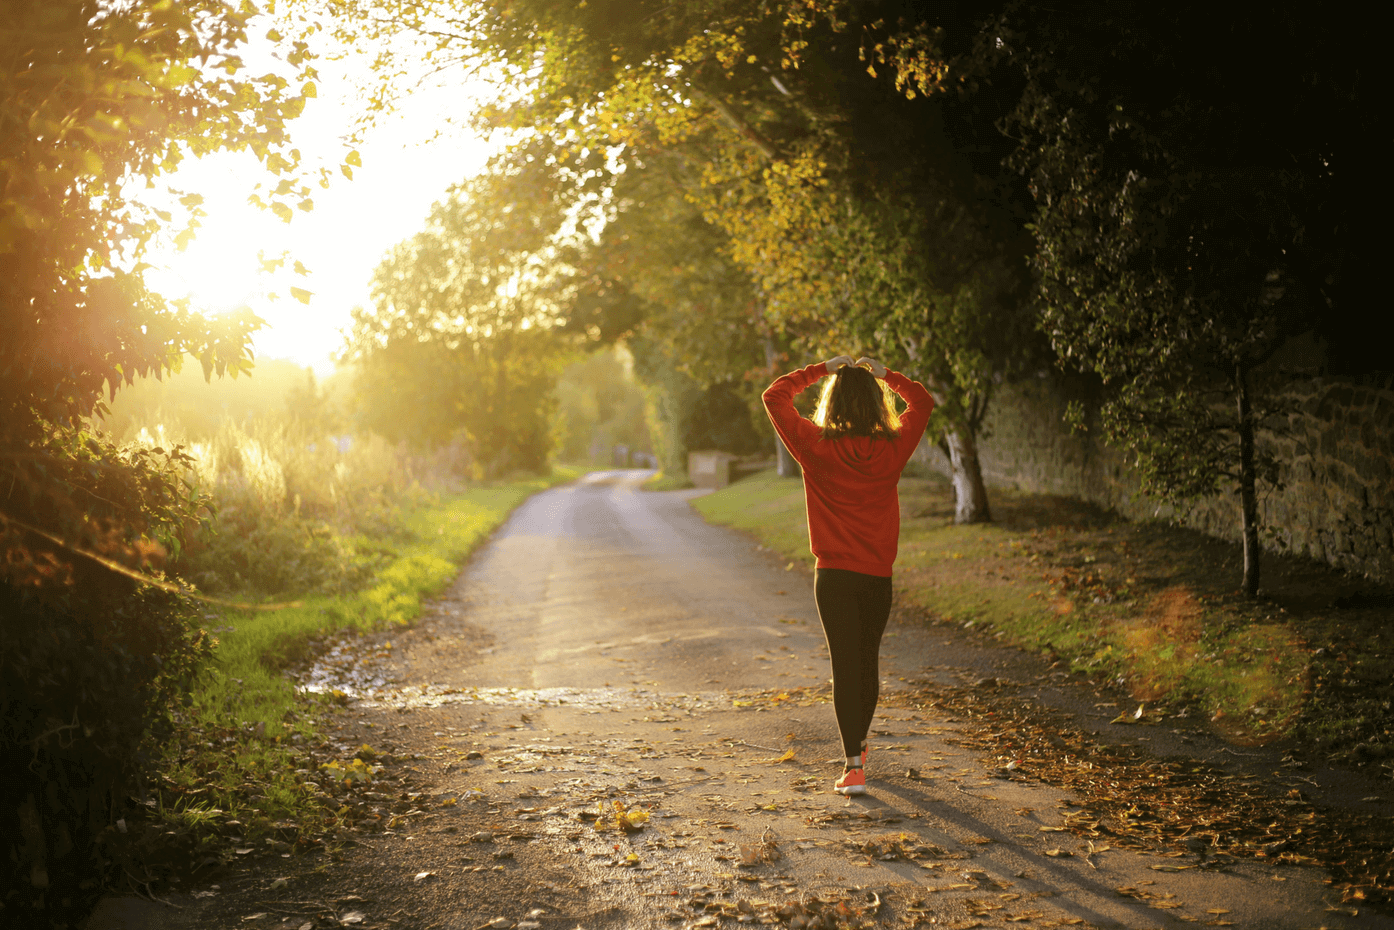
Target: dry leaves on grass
x=1131 y=800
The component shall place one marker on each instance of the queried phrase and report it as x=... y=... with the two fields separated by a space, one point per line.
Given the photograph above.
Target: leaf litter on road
x=1134 y=801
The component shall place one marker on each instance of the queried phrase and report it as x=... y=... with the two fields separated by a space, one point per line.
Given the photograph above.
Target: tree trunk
x=970 y=496
x=788 y=467
x=1248 y=497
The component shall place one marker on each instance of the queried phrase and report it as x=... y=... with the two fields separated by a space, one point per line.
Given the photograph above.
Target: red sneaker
x=853 y=781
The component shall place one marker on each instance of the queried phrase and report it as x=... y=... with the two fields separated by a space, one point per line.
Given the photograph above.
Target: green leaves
x=94 y=97
x=464 y=339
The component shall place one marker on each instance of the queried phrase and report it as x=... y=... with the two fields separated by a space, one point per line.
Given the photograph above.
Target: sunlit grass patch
x=246 y=721
x=1052 y=589
x=660 y=481
x=767 y=506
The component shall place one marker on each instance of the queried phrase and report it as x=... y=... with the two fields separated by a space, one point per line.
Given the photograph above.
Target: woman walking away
x=852 y=453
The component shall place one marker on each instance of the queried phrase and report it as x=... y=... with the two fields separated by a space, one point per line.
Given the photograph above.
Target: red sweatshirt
x=850 y=483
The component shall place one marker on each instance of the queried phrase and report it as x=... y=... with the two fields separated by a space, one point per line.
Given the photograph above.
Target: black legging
x=853 y=608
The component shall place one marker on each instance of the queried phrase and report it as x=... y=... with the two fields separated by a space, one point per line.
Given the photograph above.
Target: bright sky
x=405 y=170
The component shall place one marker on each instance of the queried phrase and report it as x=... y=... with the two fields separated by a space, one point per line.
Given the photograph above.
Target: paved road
x=608 y=645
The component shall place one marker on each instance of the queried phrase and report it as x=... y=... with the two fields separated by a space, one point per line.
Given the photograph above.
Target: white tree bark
x=970 y=496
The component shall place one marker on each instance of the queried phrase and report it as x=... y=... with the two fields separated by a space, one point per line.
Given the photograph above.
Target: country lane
x=618 y=717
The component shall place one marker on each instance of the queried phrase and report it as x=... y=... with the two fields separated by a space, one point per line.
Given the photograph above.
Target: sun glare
x=220 y=270
x=408 y=162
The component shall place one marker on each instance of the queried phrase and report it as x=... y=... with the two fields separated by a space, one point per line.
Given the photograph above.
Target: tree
x=467 y=332
x=96 y=98
x=1189 y=218
x=600 y=407
x=701 y=339
x=840 y=196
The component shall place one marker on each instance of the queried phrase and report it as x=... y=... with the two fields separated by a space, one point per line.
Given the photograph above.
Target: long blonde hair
x=855 y=402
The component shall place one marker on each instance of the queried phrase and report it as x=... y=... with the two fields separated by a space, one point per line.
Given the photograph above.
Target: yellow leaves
x=355 y=771
x=354 y=159
x=622 y=818
x=1134 y=717
x=90 y=164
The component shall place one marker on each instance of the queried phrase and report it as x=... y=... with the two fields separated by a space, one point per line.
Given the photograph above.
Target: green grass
x=661 y=482
x=246 y=718
x=1046 y=590
x=766 y=506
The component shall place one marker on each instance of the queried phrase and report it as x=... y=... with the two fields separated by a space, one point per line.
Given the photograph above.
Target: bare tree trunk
x=970 y=496
x=788 y=466
x=1248 y=497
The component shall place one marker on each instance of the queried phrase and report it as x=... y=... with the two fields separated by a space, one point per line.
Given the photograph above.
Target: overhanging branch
x=739 y=124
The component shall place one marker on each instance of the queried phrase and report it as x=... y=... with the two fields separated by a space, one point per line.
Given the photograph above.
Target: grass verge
x=249 y=756
x=664 y=482
x=1150 y=607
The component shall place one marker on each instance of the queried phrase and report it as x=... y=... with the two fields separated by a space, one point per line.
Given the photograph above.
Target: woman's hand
x=839 y=361
x=877 y=369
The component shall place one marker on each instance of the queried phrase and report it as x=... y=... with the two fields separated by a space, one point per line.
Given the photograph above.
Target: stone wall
x=1337 y=449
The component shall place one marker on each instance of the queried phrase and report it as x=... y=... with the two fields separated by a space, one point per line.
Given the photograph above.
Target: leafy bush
x=91 y=662
x=291 y=511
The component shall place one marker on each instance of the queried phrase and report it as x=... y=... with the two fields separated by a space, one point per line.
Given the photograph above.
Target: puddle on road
x=349 y=666
x=413 y=696
x=354 y=672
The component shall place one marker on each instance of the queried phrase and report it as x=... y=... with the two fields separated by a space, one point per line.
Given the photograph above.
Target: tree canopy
x=942 y=185
x=97 y=101
x=1190 y=217
x=843 y=197
x=471 y=317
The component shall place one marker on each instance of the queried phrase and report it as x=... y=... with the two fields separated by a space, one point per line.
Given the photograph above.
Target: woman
x=852 y=453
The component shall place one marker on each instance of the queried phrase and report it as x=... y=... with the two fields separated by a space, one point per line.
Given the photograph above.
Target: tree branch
x=736 y=122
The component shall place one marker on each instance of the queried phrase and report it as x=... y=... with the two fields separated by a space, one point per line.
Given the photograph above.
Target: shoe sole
x=851 y=789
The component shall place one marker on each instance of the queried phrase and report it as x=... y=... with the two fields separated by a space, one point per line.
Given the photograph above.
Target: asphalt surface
x=609 y=645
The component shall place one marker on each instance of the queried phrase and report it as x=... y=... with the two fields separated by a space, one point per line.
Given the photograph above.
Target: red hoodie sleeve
x=797 y=432
x=919 y=405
